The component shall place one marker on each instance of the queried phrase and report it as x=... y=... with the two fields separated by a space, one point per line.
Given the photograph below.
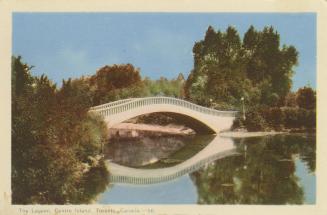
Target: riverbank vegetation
x=293 y=116
x=56 y=143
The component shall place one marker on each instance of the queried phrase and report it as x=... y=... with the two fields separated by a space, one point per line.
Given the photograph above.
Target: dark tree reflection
x=264 y=173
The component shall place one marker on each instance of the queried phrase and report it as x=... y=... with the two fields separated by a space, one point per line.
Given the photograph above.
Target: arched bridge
x=122 y=110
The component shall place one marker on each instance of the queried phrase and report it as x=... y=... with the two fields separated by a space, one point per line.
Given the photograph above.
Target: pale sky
x=63 y=45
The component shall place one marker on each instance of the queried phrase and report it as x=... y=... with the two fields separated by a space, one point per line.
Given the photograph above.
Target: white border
x=317 y=6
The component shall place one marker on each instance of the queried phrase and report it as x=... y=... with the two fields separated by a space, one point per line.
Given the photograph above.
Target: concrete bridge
x=122 y=110
x=218 y=148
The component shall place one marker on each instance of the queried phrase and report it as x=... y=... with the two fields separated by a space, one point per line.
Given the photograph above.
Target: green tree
x=254 y=121
x=53 y=139
x=226 y=68
x=306 y=98
x=109 y=80
x=217 y=77
x=164 y=87
x=290 y=100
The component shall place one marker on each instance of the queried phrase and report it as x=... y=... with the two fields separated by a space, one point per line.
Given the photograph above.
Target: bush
x=237 y=123
x=254 y=121
x=311 y=119
x=291 y=117
x=275 y=117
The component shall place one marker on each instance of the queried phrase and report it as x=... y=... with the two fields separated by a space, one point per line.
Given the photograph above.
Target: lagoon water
x=268 y=170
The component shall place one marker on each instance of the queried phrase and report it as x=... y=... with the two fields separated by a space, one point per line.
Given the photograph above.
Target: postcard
x=163 y=107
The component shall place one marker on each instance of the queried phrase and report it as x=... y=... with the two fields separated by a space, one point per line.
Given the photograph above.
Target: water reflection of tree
x=264 y=174
x=96 y=181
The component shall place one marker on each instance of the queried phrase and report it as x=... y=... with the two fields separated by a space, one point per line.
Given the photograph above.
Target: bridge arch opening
x=166 y=118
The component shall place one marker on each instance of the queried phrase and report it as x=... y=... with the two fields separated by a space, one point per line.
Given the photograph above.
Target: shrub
x=299 y=118
x=274 y=117
x=254 y=121
x=310 y=119
x=291 y=117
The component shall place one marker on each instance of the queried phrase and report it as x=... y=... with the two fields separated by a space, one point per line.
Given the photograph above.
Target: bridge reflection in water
x=218 y=148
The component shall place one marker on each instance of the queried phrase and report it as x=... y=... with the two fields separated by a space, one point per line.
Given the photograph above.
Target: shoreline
x=132 y=130
x=243 y=134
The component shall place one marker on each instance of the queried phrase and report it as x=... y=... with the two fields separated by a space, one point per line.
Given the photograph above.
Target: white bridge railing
x=110 y=104
x=120 y=106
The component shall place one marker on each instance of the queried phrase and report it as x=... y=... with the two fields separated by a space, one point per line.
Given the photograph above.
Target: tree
x=109 y=80
x=217 y=69
x=226 y=68
x=53 y=139
x=254 y=121
x=164 y=87
x=306 y=98
x=290 y=100
x=21 y=78
x=250 y=40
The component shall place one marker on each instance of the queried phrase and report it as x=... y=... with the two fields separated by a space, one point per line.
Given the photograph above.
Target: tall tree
x=110 y=80
x=226 y=68
x=51 y=143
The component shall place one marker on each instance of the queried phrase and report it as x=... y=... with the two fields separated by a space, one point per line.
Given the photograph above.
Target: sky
x=63 y=45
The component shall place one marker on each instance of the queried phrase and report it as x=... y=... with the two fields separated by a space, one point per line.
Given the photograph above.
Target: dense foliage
x=115 y=82
x=111 y=83
x=55 y=142
x=255 y=71
x=298 y=113
x=227 y=68
x=165 y=87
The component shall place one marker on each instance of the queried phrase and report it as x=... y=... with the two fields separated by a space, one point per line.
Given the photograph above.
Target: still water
x=268 y=170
